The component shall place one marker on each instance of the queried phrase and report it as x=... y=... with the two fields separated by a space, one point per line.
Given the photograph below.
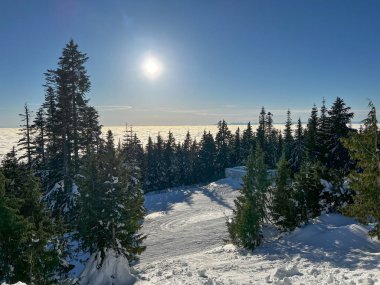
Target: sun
x=151 y=67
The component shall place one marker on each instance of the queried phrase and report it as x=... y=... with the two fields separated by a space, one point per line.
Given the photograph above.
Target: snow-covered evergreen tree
x=298 y=151
x=222 y=142
x=365 y=179
x=311 y=134
x=245 y=227
x=27 y=252
x=207 y=156
x=247 y=142
x=288 y=137
x=110 y=207
x=283 y=205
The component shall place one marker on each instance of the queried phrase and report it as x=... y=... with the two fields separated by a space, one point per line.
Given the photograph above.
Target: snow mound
x=113 y=271
x=335 y=232
x=283 y=272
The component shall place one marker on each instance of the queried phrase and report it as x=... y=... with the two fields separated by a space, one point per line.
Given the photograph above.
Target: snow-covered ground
x=187 y=235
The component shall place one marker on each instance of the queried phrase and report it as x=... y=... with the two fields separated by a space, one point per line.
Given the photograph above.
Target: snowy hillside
x=186 y=245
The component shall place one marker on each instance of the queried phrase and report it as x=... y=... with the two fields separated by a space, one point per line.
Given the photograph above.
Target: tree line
x=326 y=167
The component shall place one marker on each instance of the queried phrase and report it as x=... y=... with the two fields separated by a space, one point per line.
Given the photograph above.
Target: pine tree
x=25 y=143
x=110 y=207
x=39 y=134
x=283 y=207
x=149 y=166
x=298 y=151
x=247 y=142
x=207 y=155
x=186 y=159
x=288 y=137
x=261 y=130
x=222 y=141
x=271 y=139
x=236 y=149
x=338 y=120
x=311 y=135
x=245 y=227
x=365 y=180
x=169 y=161
x=308 y=189
x=26 y=237
x=194 y=163
x=72 y=126
x=323 y=134
x=133 y=153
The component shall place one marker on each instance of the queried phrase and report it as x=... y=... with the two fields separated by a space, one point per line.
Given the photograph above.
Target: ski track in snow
x=186 y=230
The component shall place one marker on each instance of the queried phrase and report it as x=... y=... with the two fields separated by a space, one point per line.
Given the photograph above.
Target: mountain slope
x=186 y=245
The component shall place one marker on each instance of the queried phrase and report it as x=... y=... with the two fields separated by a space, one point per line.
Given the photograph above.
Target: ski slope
x=187 y=235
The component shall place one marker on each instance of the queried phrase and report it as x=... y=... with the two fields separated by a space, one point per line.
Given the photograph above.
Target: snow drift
x=113 y=271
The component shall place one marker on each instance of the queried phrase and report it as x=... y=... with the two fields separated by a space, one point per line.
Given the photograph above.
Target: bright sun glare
x=151 y=67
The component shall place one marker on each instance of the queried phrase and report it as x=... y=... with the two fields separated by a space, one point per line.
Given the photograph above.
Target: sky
x=220 y=59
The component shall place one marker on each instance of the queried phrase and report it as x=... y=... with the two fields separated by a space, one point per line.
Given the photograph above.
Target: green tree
x=247 y=142
x=245 y=227
x=222 y=141
x=283 y=207
x=288 y=137
x=338 y=121
x=26 y=233
x=308 y=191
x=365 y=179
x=298 y=151
x=25 y=143
x=311 y=134
x=236 y=149
x=110 y=206
x=206 y=160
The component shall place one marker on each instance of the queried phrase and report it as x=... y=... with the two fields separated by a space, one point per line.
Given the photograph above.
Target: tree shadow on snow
x=351 y=252
x=215 y=197
x=164 y=200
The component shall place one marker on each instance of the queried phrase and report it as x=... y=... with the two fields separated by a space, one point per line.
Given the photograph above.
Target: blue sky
x=222 y=59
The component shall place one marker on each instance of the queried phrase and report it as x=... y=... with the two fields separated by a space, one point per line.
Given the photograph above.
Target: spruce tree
x=298 y=151
x=110 y=206
x=39 y=138
x=222 y=141
x=288 y=137
x=72 y=127
x=283 y=207
x=27 y=237
x=133 y=153
x=308 y=191
x=261 y=130
x=207 y=156
x=169 y=161
x=323 y=134
x=149 y=166
x=365 y=179
x=311 y=135
x=25 y=143
x=247 y=142
x=236 y=149
x=338 y=121
x=245 y=226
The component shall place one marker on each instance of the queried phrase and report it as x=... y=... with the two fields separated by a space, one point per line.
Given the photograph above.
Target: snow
x=236 y=172
x=113 y=271
x=18 y=283
x=187 y=243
